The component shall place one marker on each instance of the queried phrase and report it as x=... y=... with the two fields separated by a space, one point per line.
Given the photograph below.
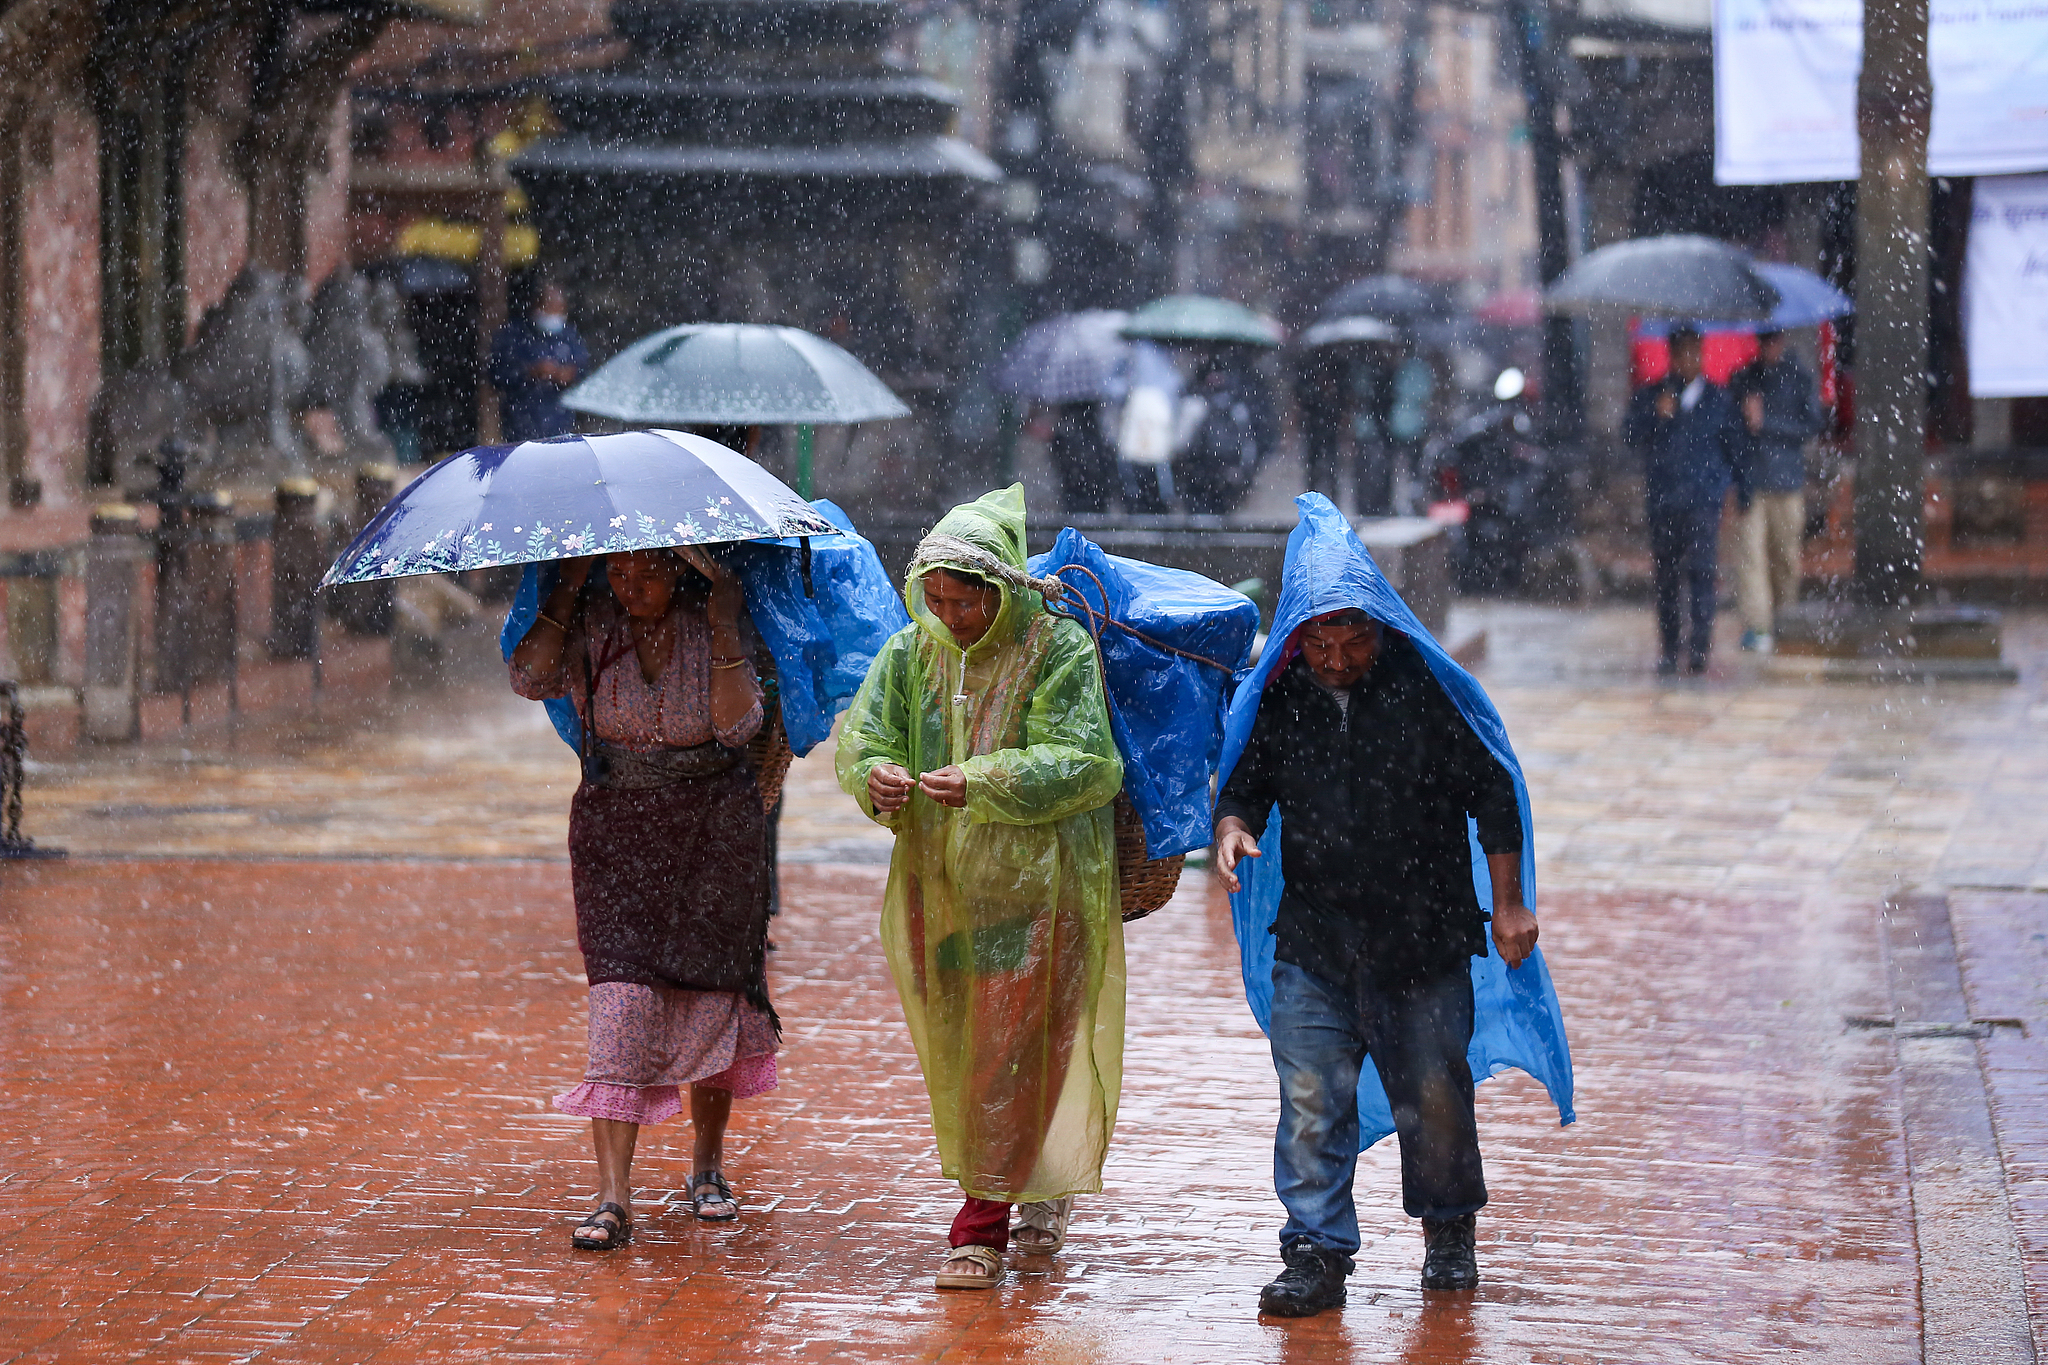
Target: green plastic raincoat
x=1002 y=922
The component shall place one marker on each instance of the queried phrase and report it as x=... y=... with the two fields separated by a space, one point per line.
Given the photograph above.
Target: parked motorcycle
x=1503 y=490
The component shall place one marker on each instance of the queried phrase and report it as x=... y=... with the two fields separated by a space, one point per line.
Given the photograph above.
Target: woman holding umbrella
x=667 y=853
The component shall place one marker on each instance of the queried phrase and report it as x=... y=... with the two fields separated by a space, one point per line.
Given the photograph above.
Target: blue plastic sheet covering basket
x=1517 y=1021
x=823 y=638
x=1165 y=707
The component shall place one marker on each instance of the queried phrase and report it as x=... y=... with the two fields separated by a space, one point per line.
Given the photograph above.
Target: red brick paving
x=298 y=1112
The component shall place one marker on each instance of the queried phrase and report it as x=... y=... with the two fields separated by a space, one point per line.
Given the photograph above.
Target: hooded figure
x=982 y=738
x=1419 y=812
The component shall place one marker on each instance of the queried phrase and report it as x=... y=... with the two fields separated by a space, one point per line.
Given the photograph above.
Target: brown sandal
x=985 y=1257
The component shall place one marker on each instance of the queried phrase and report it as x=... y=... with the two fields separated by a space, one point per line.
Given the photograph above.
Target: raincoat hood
x=992 y=524
x=1517 y=1020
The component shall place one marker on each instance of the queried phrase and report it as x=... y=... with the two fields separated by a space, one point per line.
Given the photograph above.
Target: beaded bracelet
x=553 y=622
x=730 y=663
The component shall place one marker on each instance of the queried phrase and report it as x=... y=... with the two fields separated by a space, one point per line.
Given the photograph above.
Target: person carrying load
x=982 y=738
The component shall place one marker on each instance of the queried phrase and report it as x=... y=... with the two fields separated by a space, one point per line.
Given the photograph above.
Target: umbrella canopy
x=1197 y=317
x=1346 y=331
x=1390 y=297
x=1804 y=298
x=1072 y=358
x=1674 y=276
x=570 y=496
x=734 y=374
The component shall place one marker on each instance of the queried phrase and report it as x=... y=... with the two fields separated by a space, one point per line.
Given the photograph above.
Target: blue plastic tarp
x=823 y=641
x=1517 y=1021
x=1165 y=710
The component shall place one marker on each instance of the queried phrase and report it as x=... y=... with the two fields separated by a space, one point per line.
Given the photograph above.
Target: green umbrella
x=734 y=374
x=1197 y=317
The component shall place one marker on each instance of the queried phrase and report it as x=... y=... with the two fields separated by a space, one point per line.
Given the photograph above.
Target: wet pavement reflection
x=277 y=1064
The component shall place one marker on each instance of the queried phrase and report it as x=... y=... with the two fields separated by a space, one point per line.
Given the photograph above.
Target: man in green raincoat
x=982 y=738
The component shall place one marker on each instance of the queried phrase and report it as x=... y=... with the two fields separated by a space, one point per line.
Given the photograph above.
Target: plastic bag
x=823 y=641
x=1165 y=710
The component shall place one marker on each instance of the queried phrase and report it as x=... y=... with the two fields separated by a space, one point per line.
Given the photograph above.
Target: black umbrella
x=1673 y=276
x=1383 y=296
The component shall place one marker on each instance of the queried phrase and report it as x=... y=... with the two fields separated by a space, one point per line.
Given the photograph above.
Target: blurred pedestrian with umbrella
x=982 y=738
x=667 y=837
x=1780 y=406
x=1069 y=366
x=1691 y=440
x=1236 y=426
x=535 y=357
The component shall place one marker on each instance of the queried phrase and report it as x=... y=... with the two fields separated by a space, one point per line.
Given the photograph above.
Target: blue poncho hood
x=1517 y=1021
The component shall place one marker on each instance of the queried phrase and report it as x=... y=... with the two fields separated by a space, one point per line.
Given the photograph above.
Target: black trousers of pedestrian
x=1684 y=547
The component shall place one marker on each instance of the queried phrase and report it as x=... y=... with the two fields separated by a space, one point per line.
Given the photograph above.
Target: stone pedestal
x=195 y=592
x=368 y=608
x=110 y=702
x=1821 y=640
x=298 y=556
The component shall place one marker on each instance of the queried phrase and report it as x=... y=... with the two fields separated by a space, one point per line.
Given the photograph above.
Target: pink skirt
x=646 y=1042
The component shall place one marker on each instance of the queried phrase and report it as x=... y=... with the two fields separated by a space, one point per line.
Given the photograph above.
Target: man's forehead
x=1339 y=625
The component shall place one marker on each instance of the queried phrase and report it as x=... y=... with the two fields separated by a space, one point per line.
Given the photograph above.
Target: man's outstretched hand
x=1233 y=841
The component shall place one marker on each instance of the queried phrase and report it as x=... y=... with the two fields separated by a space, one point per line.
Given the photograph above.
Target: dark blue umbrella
x=572 y=496
x=1072 y=358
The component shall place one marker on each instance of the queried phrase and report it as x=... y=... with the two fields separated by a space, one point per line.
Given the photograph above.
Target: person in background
x=1780 y=407
x=535 y=358
x=1322 y=398
x=1691 y=439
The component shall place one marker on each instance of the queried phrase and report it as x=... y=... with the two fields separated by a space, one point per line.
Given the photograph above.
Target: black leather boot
x=1448 y=1258
x=1313 y=1281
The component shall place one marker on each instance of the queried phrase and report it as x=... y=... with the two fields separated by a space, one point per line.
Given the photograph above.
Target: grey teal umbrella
x=734 y=374
x=1673 y=276
x=1198 y=318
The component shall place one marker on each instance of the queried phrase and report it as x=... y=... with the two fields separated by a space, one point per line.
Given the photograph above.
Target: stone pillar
x=298 y=556
x=113 y=560
x=195 y=591
x=369 y=608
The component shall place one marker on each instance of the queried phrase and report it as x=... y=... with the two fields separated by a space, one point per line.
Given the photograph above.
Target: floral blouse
x=672 y=712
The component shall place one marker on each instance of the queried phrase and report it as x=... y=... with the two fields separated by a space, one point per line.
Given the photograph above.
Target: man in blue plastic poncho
x=1380 y=785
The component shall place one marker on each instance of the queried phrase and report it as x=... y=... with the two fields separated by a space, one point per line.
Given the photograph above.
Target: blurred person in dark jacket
x=1691 y=439
x=535 y=358
x=1780 y=406
x=1377 y=778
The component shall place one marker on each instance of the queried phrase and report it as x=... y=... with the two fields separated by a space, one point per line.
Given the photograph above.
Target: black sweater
x=1373 y=831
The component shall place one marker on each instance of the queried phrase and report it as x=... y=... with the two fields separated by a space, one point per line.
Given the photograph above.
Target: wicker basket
x=1144 y=884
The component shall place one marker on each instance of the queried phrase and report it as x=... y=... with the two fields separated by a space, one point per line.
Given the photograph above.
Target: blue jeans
x=1322 y=1033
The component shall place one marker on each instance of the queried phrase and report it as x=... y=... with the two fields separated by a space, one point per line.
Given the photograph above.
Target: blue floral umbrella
x=572 y=496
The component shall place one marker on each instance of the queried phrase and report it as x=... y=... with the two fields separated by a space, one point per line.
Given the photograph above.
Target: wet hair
x=1354 y=616
x=1682 y=334
x=1769 y=334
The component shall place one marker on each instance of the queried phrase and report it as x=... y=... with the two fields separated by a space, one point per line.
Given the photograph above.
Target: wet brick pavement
x=275 y=1065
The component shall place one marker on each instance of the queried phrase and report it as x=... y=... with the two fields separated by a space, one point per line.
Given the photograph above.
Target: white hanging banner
x=1785 y=88
x=2005 y=287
